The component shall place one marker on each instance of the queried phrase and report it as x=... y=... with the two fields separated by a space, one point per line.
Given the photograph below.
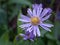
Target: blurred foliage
x=9 y=9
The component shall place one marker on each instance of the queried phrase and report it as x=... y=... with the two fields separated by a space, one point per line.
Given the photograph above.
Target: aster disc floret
x=36 y=19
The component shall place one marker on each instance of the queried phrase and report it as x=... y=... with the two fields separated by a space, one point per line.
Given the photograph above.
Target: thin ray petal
x=45 y=18
x=25 y=25
x=30 y=12
x=23 y=20
x=24 y=17
x=47 y=25
x=45 y=28
x=38 y=31
x=45 y=11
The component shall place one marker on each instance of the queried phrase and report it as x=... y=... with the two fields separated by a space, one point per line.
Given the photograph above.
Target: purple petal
x=29 y=29
x=24 y=17
x=31 y=39
x=25 y=38
x=34 y=12
x=32 y=35
x=47 y=25
x=23 y=20
x=25 y=25
x=35 y=6
x=34 y=30
x=38 y=31
x=44 y=27
x=40 y=5
x=45 y=18
x=22 y=35
x=45 y=11
x=30 y=12
x=39 y=10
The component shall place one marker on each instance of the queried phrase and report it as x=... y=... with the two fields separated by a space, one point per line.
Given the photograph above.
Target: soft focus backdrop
x=9 y=30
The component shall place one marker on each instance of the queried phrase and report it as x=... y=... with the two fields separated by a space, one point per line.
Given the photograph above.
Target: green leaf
x=43 y=32
x=4 y=40
x=50 y=42
x=58 y=42
x=23 y=2
x=39 y=41
x=50 y=36
x=3 y=16
x=3 y=21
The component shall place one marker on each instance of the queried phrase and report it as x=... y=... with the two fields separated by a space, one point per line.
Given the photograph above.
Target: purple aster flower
x=28 y=35
x=35 y=19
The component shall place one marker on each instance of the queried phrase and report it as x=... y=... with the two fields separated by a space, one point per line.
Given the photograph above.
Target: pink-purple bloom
x=36 y=18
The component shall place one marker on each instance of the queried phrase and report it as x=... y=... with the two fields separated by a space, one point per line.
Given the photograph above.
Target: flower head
x=36 y=18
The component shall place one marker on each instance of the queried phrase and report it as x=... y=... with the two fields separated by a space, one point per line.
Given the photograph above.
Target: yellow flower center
x=35 y=20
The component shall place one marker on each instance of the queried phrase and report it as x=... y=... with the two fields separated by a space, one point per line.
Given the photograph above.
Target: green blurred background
x=9 y=30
